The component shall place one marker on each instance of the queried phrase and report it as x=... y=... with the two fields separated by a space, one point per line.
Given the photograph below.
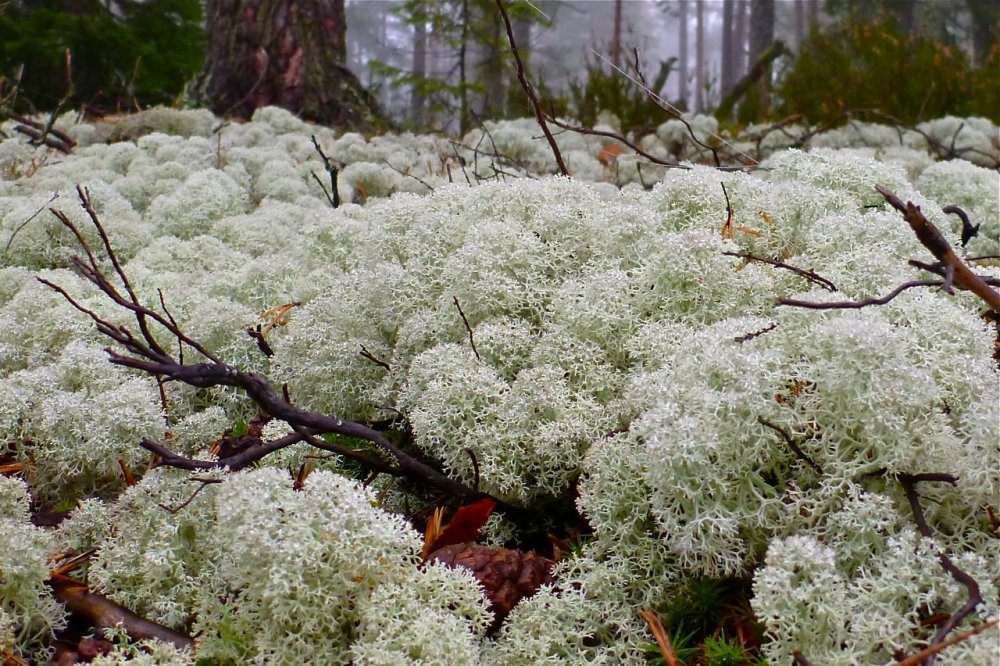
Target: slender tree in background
x=761 y=38
x=985 y=28
x=418 y=102
x=286 y=53
x=616 y=35
x=800 y=22
x=729 y=56
x=699 y=58
x=739 y=40
x=682 y=23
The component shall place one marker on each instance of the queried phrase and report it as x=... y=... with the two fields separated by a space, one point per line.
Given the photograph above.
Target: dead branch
x=969 y=230
x=374 y=359
x=43 y=133
x=932 y=650
x=468 y=328
x=754 y=334
x=809 y=274
x=333 y=196
x=102 y=613
x=143 y=353
x=530 y=91
x=930 y=237
x=792 y=444
x=617 y=137
x=857 y=305
x=909 y=482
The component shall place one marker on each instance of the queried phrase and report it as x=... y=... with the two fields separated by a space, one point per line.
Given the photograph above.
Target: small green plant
x=722 y=651
x=684 y=644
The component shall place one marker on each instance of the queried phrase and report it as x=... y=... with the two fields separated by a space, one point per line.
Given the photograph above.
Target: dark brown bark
x=287 y=53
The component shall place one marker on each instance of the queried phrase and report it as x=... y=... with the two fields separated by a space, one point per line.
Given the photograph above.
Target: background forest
x=441 y=64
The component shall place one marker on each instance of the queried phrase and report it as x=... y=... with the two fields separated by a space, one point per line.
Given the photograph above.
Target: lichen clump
x=564 y=345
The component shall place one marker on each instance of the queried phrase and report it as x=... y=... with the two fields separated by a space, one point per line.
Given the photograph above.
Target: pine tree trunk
x=616 y=35
x=419 y=71
x=761 y=38
x=728 y=77
x=287 y=53
x=739 y=41
x=699 y=58
x=683 y=55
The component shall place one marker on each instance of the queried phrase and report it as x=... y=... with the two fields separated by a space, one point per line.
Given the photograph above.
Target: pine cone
x=506 y=575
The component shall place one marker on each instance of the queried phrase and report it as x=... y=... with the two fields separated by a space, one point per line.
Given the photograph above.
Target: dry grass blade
x=660 y=635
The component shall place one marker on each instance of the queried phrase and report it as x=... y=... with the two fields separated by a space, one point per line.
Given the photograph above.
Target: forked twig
x=145 y=354
x=536 y=106
x=468 y=328
x=808 y=274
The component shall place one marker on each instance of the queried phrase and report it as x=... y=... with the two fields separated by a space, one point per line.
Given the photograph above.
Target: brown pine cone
x=506 y=575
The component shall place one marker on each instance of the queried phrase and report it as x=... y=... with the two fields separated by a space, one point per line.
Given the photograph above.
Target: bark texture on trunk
x=287 y=53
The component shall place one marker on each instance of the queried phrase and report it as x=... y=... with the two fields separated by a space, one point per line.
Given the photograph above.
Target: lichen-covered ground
x=633 y=380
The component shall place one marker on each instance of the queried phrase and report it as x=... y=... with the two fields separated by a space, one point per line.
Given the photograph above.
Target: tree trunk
x=287 y=53
x=419 y=71
x=761 y=38
x=616 y=35
x=985 y=28
x=463 y=92
x=682 y=22
x=728 y=49
x=699 y=58
x=800 y=22
x=740 y=40
x=491 y=70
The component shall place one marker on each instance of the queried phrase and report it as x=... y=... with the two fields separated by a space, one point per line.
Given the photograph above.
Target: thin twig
x=796 y=449
x=810 y=275
x=472 y=340
x=969 y=230
x=475 y=466
x=753 y=334
x=916 y=659
x=532 y=97
x=334 y=195
x=203 y=482
x=409 y=175
x=38 y=212
x=909 y=481
x=856 y=305
x=374 y=359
